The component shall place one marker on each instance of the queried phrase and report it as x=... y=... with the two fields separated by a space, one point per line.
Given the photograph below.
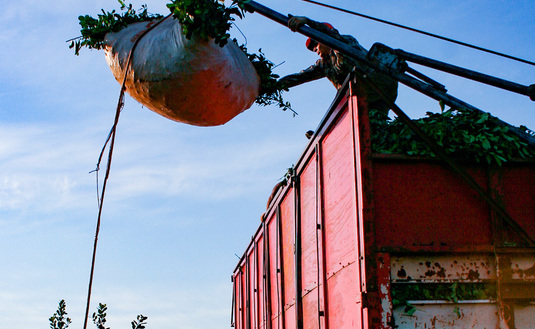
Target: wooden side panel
x=518 y=186
x=238 y=306
x=309 y=245
x=288 y=258
x=340 y=226
x=425 y=204
x=260 y=283
x=272 y=271
x=244 y=298
x=252 y=290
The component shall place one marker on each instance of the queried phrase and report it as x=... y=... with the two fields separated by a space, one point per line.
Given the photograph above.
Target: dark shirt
x=337 y=66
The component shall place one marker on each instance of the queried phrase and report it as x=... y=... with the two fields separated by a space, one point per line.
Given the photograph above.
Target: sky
x=183 y=202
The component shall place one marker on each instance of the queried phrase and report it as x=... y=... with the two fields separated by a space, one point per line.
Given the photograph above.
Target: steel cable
x=422 y=32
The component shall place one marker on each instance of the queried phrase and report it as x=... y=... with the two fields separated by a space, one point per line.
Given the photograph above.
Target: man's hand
x=295 y=22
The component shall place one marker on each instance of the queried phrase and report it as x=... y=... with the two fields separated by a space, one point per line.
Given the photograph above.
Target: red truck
x=363 y=240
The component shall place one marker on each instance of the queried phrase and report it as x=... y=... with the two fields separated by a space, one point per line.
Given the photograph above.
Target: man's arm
x=295 y=22
x=314 y=72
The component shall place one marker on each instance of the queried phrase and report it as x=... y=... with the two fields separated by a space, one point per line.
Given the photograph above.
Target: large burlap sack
x=190 y=81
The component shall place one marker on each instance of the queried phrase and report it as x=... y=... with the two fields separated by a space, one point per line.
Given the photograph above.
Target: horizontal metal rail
x=463 y=72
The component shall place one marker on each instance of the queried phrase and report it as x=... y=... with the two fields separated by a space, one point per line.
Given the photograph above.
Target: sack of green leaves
x=193 y=81
x=184 y=66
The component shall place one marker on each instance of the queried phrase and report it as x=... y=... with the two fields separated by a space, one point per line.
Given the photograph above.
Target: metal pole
x=465 y=73
x=361 y=56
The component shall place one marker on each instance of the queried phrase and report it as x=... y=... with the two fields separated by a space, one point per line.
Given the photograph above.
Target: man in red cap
x=335 y=66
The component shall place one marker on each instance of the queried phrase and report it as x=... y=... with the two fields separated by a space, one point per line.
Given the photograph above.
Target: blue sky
x=182 y=201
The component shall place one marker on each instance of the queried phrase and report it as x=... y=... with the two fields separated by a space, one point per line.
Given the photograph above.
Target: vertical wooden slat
x=233 y=307
x=266 y=277
x=280 y=271
x=365 y=205
x=247 y=294
x=322 y=278
x=297 y=255
x=254 y=291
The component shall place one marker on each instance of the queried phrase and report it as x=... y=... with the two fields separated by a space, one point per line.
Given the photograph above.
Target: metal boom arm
x=396 y=71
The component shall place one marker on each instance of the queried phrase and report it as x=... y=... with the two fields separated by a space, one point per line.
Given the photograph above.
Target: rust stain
x=473 y=275
x=402 y=273
x=524 y=274
x=430 y=273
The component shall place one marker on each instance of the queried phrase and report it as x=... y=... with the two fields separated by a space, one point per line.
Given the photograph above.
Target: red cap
x=311 y=43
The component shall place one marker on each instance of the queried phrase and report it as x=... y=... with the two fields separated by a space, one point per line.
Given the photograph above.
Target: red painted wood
x=420 y=203
x=272 y=271
x=355 y=212
x=309 y=261
x=339 y=221
x=288 y=257
x=518 y=186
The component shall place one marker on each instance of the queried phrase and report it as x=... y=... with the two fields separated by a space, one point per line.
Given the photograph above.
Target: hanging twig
x=111 y=140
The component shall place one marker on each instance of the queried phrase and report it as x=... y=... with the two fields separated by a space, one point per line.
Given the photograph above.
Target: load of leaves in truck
x=238 y=77
x=465 y=135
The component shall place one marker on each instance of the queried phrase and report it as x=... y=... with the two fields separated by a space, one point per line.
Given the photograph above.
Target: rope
x=111 y=140
x=423 y=32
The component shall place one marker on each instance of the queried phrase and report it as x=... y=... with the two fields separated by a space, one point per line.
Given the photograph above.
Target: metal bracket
x=386 y=56
x=531 y=92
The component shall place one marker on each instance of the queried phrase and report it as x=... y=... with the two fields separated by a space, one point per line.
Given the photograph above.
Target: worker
x=336 y=66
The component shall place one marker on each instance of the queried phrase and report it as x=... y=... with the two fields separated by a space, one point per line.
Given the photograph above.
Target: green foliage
x=206 y=19
x=140 y=323
x=465 y=135
x=270 y=91
x=59 y=319
x=454 y=292
x=210 y=19
x=99 y=317
x=94 y=30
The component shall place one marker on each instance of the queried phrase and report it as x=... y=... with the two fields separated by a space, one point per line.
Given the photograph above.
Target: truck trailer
x=357 y=239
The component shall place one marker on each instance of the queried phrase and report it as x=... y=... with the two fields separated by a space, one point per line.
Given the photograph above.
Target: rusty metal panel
x=447 y=315
x=384 y=290
x=340 y=226
x=523 y=267
x=443 y=268
x=525 y=315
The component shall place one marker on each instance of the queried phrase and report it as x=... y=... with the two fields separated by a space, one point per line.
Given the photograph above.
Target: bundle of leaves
x=270 y=90
x=465 y=135
x=204 y=19
x=454 y=292
x=94 y=30
x=210 y=19
x=60 y=320
x=207 y=19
